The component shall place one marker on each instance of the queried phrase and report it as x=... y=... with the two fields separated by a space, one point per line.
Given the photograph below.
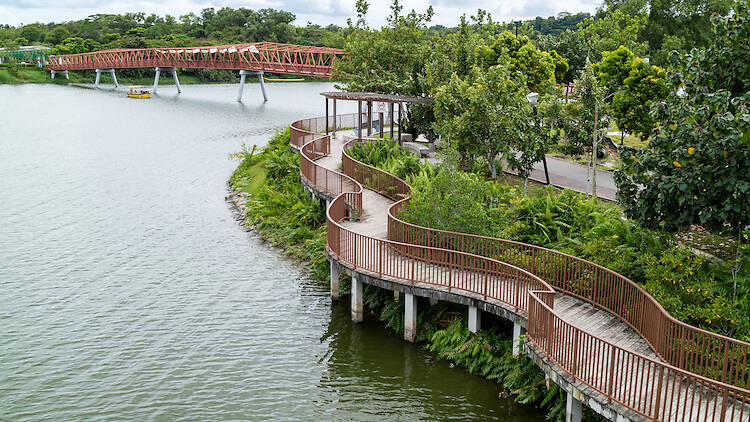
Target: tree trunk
x=595 y=153
x=526 y=187
x=588 y=175
x=737 y=266
x=492 y=165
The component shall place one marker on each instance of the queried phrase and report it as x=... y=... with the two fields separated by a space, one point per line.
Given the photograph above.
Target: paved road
x=566 y=174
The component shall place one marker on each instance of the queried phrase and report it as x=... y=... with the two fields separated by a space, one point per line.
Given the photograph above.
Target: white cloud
x=323 y=12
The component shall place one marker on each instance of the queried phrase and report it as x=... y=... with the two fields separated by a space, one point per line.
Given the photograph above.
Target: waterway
x=129 y=292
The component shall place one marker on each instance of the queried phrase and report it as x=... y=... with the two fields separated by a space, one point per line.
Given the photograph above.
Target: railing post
x=450 y=270
x=658 y=393
x=412 y=270
x=575 y=354
x=486 y=275
x=517 y=300
x=611 y=373
x=380 y=258
x=354 y=258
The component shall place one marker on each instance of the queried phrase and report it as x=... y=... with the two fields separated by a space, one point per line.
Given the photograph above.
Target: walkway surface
x=579 y=313
x=567 y=174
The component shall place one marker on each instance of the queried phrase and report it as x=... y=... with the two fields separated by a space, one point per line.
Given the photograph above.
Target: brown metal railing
x=373 y=178
x=704 y=377
x=684 y=346
x=654 y=389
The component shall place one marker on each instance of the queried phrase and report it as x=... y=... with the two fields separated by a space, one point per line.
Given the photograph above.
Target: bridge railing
x=421 y=265
x=262 y=56
x=708 y=354
x=315 y=146
x=652 y=388
x=371 y=177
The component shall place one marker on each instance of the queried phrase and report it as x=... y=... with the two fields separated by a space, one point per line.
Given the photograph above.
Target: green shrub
x=278 y=206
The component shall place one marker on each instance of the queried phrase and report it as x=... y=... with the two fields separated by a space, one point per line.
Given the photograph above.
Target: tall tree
x=696 y=169
x=478 y=117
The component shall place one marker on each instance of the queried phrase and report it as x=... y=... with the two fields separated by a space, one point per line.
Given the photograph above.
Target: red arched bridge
x=248 y=59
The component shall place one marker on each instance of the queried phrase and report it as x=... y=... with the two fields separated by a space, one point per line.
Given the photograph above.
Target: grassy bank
x=14 y=75
x=277 y=206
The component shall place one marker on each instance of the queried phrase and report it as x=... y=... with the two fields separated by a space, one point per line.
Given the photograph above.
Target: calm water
x=129 y=292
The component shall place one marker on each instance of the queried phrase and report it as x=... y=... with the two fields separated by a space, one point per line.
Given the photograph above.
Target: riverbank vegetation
x=277 y=206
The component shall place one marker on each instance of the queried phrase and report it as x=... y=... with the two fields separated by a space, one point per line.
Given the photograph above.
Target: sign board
x=380 y=107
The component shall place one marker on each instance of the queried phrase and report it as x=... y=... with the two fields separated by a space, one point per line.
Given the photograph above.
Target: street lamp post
x=532 y=98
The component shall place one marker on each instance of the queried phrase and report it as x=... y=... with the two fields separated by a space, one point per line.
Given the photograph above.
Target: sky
x=322 y=12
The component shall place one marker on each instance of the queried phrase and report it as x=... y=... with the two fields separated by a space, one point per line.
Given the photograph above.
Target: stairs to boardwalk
x=596 y=333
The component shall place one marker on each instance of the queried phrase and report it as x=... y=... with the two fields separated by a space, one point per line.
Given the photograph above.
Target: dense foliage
x=139 y=30
x=691 y=288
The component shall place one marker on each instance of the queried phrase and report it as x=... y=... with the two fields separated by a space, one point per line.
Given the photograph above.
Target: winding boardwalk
x=593 y=331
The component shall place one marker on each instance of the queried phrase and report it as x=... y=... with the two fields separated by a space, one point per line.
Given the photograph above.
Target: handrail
x=684 y=346
x=476 y=261
x=651 y=388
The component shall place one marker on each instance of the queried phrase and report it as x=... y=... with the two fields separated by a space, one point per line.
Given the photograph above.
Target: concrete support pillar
x=262 y=86
x=573 y=408
x=110 y=71
x=410 y=318
x=156 y=80
x=243 y=74
x=334 y=280
x=55 y=72
x=517 y=332
x=176 y=80
x=475 y=319
x=357 y=304
x=396 y=296
x=242 y=85
x=433 y=301
x=114 y=78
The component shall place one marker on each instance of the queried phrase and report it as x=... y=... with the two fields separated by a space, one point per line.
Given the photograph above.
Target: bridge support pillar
x=55 y=72
x=410 y=317
x=357 y=304
x=475 y=319
x=99 y=73
x=243 y=74
x=174 y=75
x=517 y=332
x=433 y=301
x=573 y=408
x=334 y=281
x=176 y=80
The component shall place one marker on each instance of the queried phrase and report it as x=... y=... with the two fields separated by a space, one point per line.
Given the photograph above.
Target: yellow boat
x=283 y=80
x=138 y=92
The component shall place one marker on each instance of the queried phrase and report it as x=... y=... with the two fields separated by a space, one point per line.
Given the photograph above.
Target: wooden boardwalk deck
x=641 y=383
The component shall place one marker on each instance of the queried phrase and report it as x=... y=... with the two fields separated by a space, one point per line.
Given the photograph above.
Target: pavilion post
x=334 y=117
x=381 y=124
x=390 y=107
x=359 y=118
x=369 y=118
x=399 y=123
x=326 y=115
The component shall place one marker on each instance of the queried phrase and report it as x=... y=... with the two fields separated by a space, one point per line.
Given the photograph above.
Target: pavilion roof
x=373 y=96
